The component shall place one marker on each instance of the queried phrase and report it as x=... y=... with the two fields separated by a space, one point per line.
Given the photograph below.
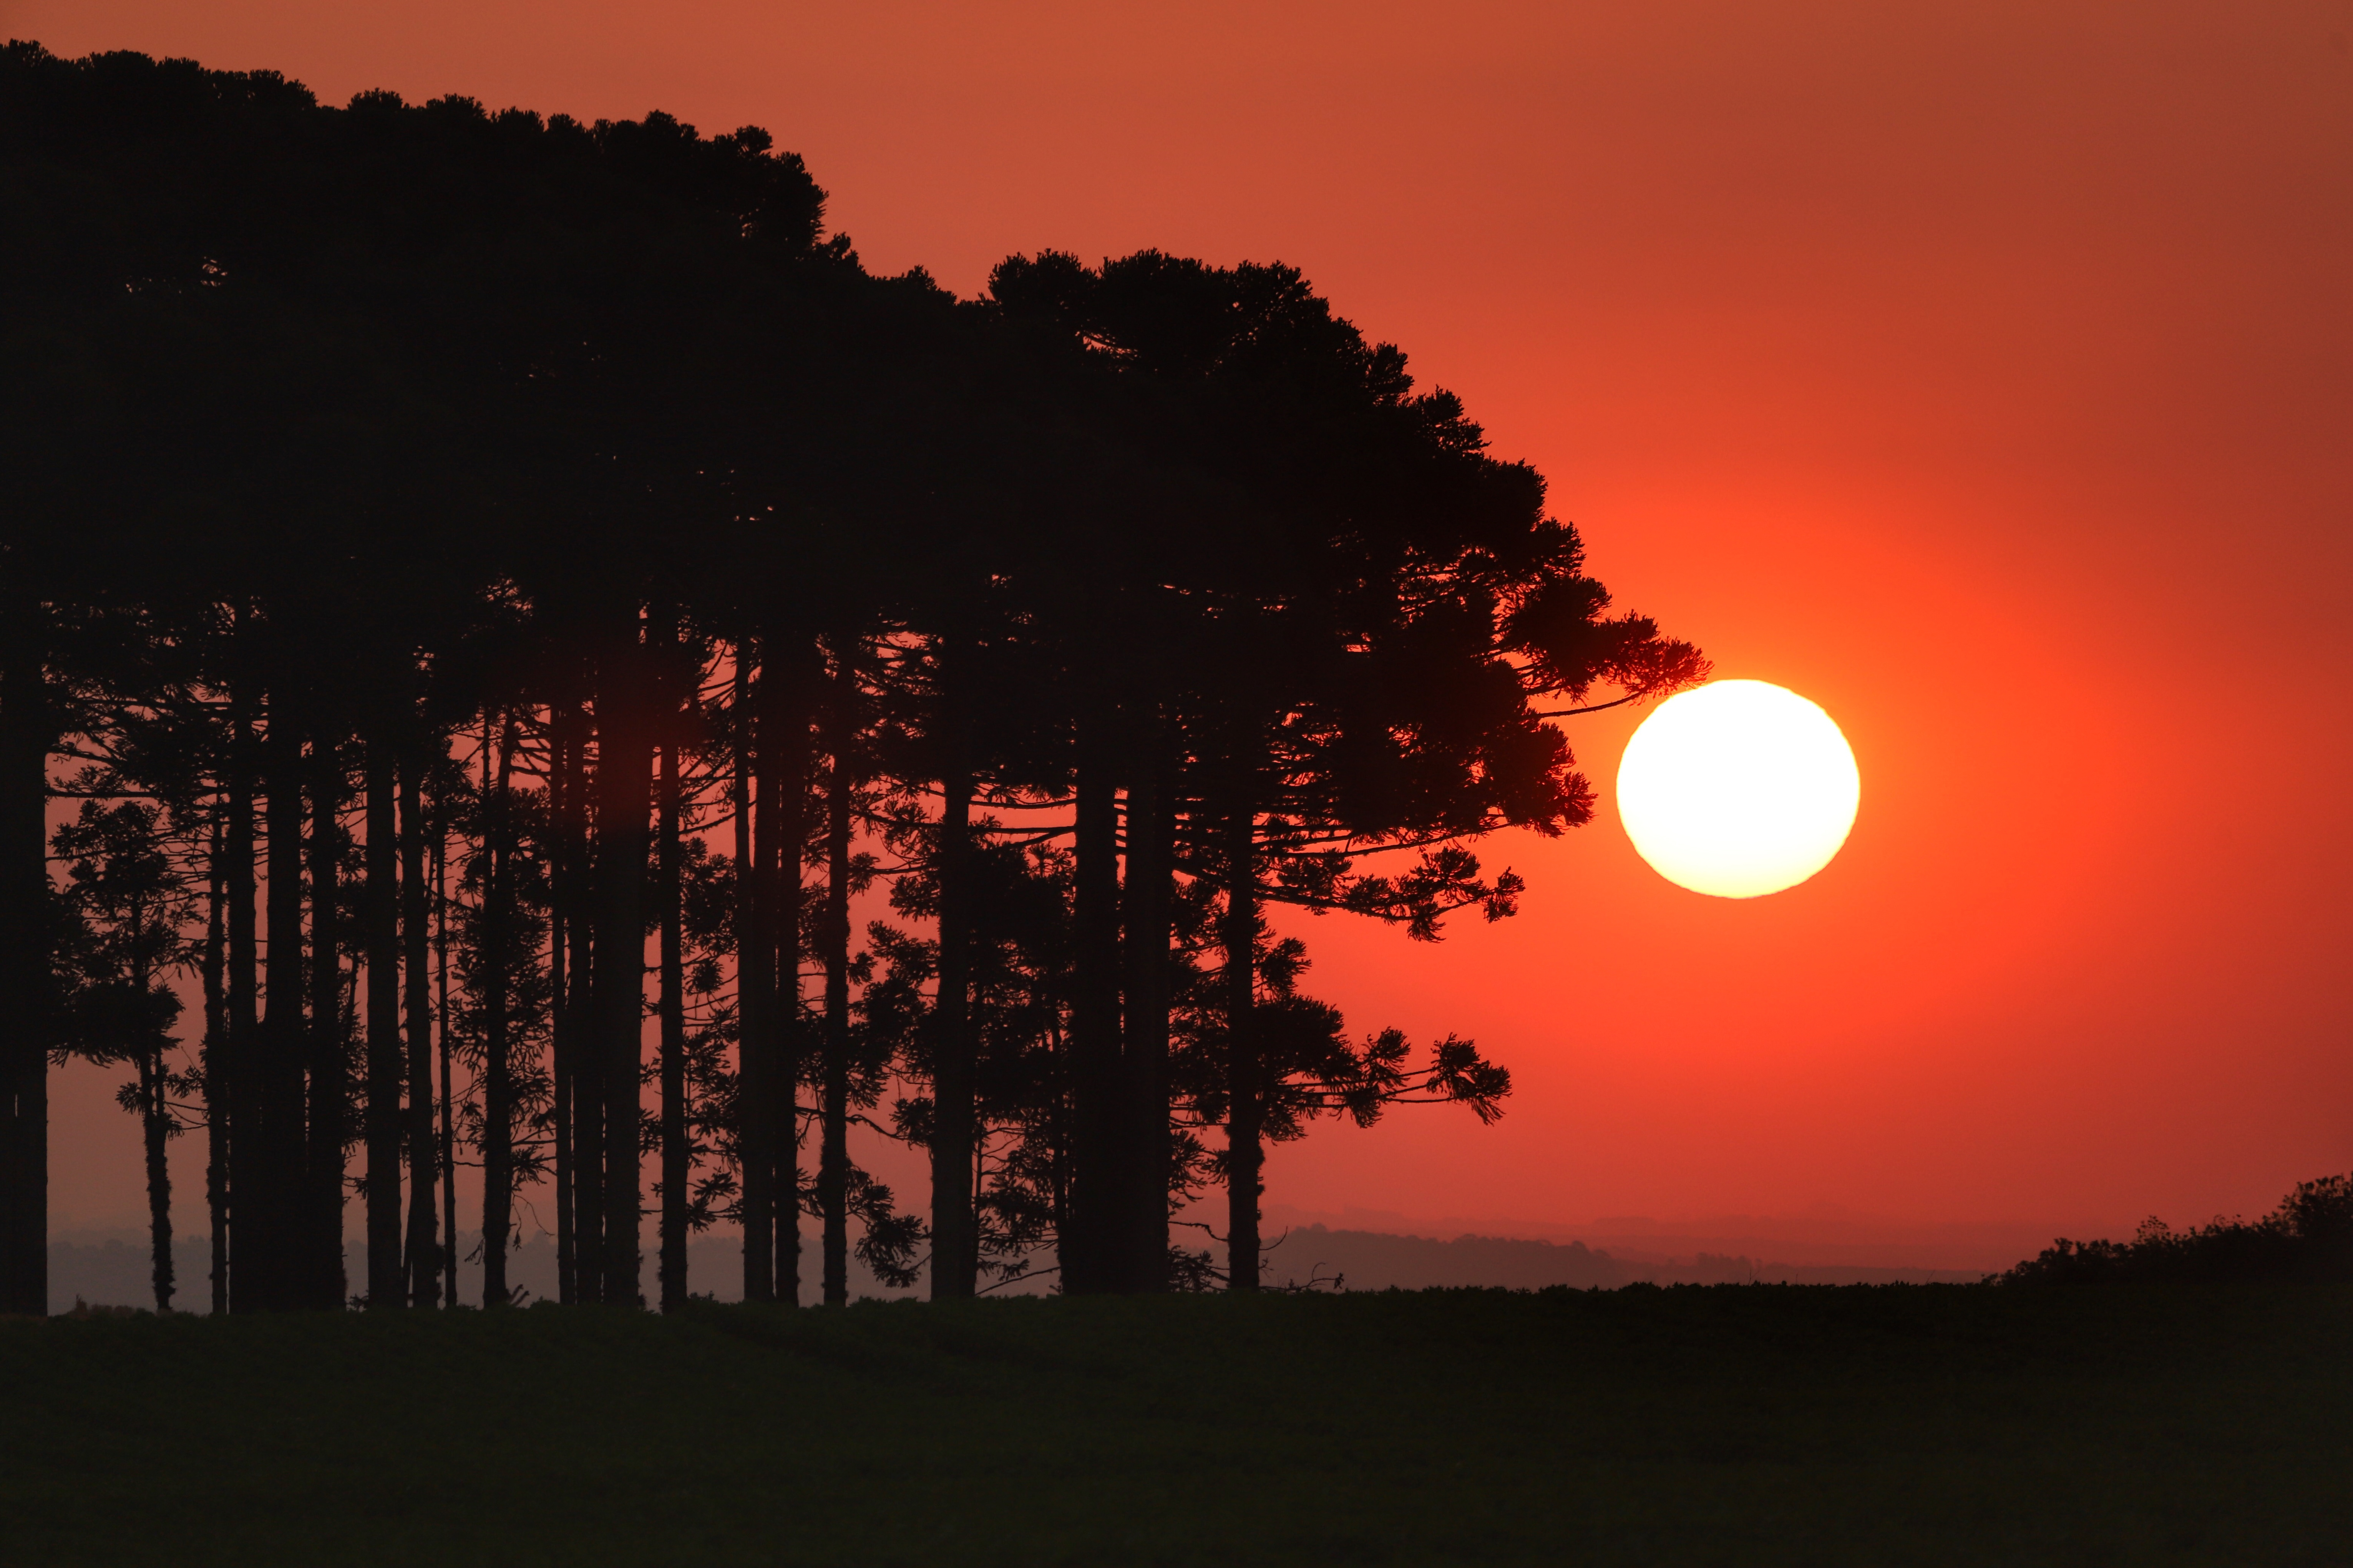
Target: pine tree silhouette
x=1100 y=620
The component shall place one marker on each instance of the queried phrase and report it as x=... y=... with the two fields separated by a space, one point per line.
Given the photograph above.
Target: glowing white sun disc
x=1737 y=789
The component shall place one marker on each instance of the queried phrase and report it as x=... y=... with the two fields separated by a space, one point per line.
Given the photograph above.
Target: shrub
x=2309 y=1237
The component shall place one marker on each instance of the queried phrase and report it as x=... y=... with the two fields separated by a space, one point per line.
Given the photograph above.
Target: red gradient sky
x=1982 y=370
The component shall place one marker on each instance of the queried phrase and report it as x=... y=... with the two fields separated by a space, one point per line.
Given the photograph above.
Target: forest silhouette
x=497 y=593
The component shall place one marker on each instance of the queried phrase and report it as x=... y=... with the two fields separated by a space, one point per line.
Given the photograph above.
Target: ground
x=1734 y=1425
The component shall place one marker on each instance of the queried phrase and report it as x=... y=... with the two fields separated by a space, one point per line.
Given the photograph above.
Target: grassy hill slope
x=2132 y=1425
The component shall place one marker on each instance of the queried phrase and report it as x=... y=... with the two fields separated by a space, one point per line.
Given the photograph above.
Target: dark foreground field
x=1737 y=1425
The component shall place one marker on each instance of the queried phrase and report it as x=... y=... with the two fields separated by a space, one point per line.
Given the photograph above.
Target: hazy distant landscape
x=1373 y=1260
x=1825 y=1237
x=110 y=1267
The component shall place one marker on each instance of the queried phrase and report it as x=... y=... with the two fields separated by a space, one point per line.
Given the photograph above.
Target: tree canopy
x=514 y=595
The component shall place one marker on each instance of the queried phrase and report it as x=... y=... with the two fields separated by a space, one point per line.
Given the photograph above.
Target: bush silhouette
x=2309 y=1237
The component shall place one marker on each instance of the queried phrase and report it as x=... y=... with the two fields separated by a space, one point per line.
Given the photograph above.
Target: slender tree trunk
x=249 y=1228
x=588 y=1108
x=1244 y=1120
x=1089 y=1249
x=561 y=792
x=755 y=1087
x=497 y=1046
x=955 y=1253
x=24 y=999
x=386 y=1286
x=217 y=1070
x=154 y=1119
x=275 y=1208
x=330 y=1087
x=833 y=1157
x=417 y=936
x=155 y=1123
x=784 y=760
x=583 y=1064
x=675 y=1165
x=1145 y=1104
x=449 y=1150
x=559 y=1114
x=624 y=780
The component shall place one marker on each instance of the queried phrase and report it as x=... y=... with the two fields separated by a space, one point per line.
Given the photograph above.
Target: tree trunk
x=782 y=785
x=560 y=1109
x=560 y=979
x=498 y=1048
x=755 y=1087
x=449 y=1150
x=155 y=1123
x=955 y=1253
x=1244 y=1156
x=1145 y=1106
x=217 y=1067
x=1089 y=1246
x=248 y=1267
x=624 y=777
x=833 y=1154
x=579 y=1108
x=329 y=1069
x=387 y=1287
x=675 y=1162
x=417 y=936
x=154 y=1119
x=24 y=999
x=273 y=1203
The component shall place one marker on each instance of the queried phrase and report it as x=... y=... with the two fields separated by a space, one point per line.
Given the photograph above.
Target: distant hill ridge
x=1377 y=1260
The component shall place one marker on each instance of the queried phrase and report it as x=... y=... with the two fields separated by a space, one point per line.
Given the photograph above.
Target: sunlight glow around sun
x=1737 y=789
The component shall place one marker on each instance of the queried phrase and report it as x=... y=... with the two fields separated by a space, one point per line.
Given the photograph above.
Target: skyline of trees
x=505 y=590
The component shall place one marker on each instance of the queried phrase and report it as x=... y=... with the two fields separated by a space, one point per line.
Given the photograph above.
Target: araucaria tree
x=563 y=677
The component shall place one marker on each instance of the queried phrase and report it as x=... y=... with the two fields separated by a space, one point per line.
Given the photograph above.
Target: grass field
x=1733 y=1425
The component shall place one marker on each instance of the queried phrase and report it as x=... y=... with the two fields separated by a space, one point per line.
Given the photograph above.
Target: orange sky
x=1982 y=372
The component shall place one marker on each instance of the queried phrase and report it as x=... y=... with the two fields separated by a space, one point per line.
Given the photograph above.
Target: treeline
x=498 y=593
x=2309 y=1237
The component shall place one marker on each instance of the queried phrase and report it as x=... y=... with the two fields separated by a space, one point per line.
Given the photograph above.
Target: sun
x=1737 y=789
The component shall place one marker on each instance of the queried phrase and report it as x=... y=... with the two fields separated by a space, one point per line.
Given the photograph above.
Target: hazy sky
x=1983 y=371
